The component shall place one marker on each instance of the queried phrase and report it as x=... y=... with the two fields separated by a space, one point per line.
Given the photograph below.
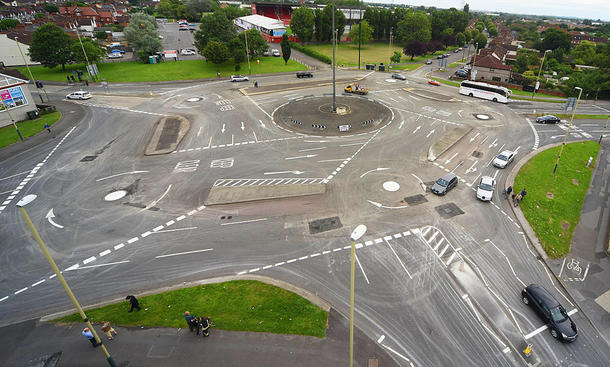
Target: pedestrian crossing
x=237 y=182
x=439 y=244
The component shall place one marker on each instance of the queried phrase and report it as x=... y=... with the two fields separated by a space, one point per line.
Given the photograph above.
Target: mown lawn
x=170 y=70
x=370 y=53
x=242 y=305
x=553 y=203
x=8 y=134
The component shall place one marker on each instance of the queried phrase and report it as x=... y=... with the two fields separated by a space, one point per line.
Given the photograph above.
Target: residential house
x=10 y=54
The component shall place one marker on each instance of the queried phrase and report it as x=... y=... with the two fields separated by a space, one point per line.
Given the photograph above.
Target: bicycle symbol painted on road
x=572 y=270
x=574 y=266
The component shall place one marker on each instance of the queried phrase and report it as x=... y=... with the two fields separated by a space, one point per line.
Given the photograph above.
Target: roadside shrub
x=312 y=53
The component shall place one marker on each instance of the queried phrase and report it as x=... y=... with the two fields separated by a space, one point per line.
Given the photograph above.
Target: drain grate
x=416 y=199
x=447 y=211
x=477 y=154
x=88 y=158
x=323 y=225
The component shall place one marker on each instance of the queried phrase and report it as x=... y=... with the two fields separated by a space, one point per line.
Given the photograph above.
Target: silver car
x=81 y=94
x=239 y=78
x=503 y=159
x=486 y=187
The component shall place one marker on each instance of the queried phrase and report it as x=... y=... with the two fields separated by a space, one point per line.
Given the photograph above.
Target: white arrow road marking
x=310 y=149
x=199 y=131
x=184 y=253
x=242 y=126
x=373 y=170
x=50 y=215
x=223 y=128
x=302 y=156
x=472 y=168
x=474 y=137
x=375 y=203
x=120 y=174
x=416 y=129
x=430 y=133
x=263 y=125
x=282 y=172
x=516 y=150
x=450 y=159
x=493 y=144
x=401 y=123
x=159 y=199
x=423 y=185
x=379 y=205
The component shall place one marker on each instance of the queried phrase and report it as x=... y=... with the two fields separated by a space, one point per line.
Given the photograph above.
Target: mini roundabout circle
x=115 y=195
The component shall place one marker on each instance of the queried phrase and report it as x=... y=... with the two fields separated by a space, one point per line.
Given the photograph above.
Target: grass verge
x=170 y=70
x=8 y=134
x=241 y=305
x=443 y=81
x=553 y=202
x=404 y=67
x=576 y=116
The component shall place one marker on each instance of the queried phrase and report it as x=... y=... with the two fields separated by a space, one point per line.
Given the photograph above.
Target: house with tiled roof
x=490 y=68
x=578 y=37
x=10 y=54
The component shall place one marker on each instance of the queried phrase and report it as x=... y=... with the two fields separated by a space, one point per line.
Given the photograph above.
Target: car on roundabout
x=239 y=78
x=444 y=184
x=304 y=74
x=433 y=82
x=428 y=62
x=503 y=159
x=485 y=190
x=81 y=94
x=551 y=312
x=398 y=76
x=548 y=119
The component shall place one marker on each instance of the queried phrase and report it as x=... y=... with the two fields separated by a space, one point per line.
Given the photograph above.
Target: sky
x=591 y=9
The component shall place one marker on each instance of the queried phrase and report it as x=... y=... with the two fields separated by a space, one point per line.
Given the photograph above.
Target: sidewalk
x=589 y=287
x=132 y=347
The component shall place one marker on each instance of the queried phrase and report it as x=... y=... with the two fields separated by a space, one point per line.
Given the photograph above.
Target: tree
x=493 y=31
x=521 y=63
x=584 y=53
x=100 y=35
x=302 y=23
x=196 y=8
x=39 y=15
x=233 y=11
x=93 y=50
x=415 y=48
x=414 y=27
x=554 y=39
x=460 y=39
x=216 y=27
x=238 y=52
x=216 y=52
x=466 y=8
x=396 y=57
x=142 y=35
x=51 y=46
x=257 y=45
x=285 y=45
x=51 y=8
x=481 y=40
x=367 y=32
x=323 y=24
x=172 y=9
x=8 y=23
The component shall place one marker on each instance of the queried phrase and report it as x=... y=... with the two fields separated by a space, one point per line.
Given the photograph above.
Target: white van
x=81 y=94
x=114 y=44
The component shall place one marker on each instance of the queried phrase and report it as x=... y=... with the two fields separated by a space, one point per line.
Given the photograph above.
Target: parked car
x=551 y=312
x=266 y=53
x=183 y=27
x=548 y=119
x=115 y=55
x=304 y=74
x=239 y=78
x=433 y=82
x=276 y=53
x=117 y=50
x=447 y=55
x=398 y=76
x=428 y=62
x=81 y=94
x=457 y=50
x=188 y=51
x=440 y=57
x=503 y=159
x=462 y=73
x=444 y=184
x=485 y=191
x=192 y=25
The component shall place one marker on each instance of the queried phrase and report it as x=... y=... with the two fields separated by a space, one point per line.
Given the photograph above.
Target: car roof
x=448 y=176
x=548 y=117
x=487 y=180
x=506 y=152
x=543 y=294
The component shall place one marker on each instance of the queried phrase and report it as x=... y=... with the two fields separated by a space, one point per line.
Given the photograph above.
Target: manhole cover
x=391 y=186
x=88 y=158
x=115 y=195
x=194 y=99
x=323 y=225
x=447 y=211
x=481 y=116
x=416 y=199
x=477 y=154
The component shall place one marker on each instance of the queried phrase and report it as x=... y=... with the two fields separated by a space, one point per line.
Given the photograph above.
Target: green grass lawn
x=171 y=70
x=242 y=305
x=529 y=94
x=554 y=219
x=8 y=134
x=347 y=53
x=405 y=67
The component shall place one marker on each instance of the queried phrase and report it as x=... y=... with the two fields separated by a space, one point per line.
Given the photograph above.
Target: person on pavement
x=189 y=319
x=89 y=335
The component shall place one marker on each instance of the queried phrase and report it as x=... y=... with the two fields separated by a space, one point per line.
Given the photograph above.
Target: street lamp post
x=356 y=234
x=604 y=132
x=568 y=130
x=86 y=57
x=247 y=52
x=359 y=33
x=476 y=50
x=21 y=205
x=11 y=117
x=539 y=71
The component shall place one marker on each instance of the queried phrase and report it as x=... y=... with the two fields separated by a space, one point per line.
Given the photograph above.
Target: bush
x=237 y=67
x=312 y=53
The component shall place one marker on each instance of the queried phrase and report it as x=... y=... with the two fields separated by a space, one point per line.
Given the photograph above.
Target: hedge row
x=312 y=53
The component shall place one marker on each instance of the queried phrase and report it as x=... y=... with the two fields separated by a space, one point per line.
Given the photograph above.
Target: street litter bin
x=33 y=114
x=152 y=60
x=381 y=67
x=370 y=67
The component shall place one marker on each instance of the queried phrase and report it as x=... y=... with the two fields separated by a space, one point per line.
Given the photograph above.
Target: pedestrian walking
x=518 y=199
x=89 y=335
x=134 y=302
x=68 y=77
x=188 y=318
x=523 y=193
x=507 y=192
x=108 y=330
x=255 y=84
x=218 y=74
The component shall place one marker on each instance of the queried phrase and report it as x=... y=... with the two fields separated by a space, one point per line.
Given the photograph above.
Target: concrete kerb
x=313 y=298
x=445 y=142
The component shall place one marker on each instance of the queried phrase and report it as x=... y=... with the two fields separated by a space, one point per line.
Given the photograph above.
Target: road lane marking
x=361 y=269
x=120 y=174
x=100 y=265
x=398 y=258
x=183 y=253
x=244 y=221
x=174 y=230
x=16 y=174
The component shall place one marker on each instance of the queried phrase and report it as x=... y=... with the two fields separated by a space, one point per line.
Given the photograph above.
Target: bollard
x=528 y=350
x=589 y=161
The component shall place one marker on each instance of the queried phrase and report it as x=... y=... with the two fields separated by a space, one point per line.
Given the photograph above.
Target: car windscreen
x=503 y=157
x=442 y=182
x=558 y=314
x=486 y=187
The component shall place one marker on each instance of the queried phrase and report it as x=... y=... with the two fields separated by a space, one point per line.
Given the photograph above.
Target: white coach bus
x=485 y=91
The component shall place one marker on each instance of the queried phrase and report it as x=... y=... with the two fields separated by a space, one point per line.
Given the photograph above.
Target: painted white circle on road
x=194 y=99
x=482 y=117
x=115 y=195
x=391 y=80
x=391 y=186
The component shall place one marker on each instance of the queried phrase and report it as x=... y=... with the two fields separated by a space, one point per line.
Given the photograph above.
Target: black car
x=398 y=76
x=304 y=74
x=548 y=119
x=551 y=312
x=444 y=184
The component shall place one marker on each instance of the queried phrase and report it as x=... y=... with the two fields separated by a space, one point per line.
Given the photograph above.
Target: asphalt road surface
x=438 y=279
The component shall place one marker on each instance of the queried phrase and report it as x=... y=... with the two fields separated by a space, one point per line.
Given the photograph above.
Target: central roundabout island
x=313 y=115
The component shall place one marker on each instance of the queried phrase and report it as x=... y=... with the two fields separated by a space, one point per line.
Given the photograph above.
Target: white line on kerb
x=244 y=221
x=184 y=253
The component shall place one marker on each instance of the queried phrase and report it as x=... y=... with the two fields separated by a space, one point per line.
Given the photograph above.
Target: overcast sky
x=592 y=9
